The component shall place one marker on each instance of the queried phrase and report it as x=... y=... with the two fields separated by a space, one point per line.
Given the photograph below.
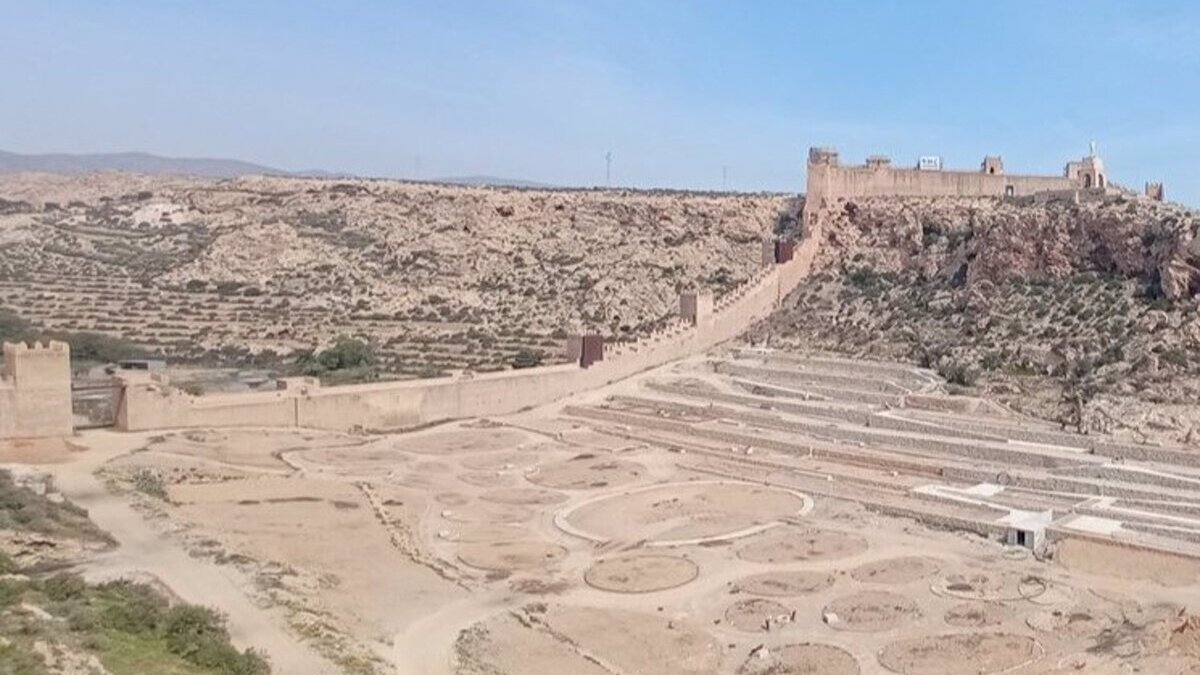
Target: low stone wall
x=396 y=405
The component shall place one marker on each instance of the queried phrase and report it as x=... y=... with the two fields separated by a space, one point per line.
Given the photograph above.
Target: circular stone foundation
x=641 y=573
x=523 y=495
x=801 y=659
x=976 y=653
x=506 y=556
x=683 y=513
x=462 y=441
x=787 y=545
x=1069 y=622
x=896 y=571
x=870 y=611
x=755 y=615
x=782 y=584
x=977 y=615
x=586 y=472
x=501 y=461
x=1000 y=587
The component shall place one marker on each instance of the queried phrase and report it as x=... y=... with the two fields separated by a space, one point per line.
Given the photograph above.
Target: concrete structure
x=829 y=180
x=35 y=390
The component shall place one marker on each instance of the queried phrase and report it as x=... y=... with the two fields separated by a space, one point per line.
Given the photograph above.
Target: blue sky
x=541 y=89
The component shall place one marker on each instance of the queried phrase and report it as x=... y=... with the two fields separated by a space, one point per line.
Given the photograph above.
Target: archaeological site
x=567 y=337
x=391 y=427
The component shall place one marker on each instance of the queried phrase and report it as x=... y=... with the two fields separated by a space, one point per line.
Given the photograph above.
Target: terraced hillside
x=435 y=276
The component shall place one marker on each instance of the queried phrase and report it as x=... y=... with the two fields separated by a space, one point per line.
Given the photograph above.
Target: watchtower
x=35 y=390
x=993 y=165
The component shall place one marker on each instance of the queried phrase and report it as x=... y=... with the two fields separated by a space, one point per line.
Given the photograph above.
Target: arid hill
x=436 y=276
x=1083 y=313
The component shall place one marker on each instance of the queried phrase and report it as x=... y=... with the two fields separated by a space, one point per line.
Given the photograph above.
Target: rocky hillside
x=436 y=276
x=1084 y=313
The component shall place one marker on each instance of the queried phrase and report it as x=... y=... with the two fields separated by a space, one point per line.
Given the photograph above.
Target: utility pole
x=724 y=178
x=608 y=169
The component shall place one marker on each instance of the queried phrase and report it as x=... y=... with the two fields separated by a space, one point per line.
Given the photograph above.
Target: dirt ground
x=636 y=534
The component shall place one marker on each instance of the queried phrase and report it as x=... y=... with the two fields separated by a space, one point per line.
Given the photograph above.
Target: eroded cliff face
x=1084 y=313
x=975 y=239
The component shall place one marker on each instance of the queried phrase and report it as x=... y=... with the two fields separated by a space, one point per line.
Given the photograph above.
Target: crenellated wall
x=149 y=404
x=35 y=390
x=829 y=180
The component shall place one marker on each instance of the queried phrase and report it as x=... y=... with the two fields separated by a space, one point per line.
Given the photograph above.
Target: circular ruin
x=783 y=584
x=1071 y=622
x=896 y=571
x=586 y=472
x=792 y=544
x=676 y=514
x=801 y=659
x=641 y=573
x=575 y=638
x=755 y=615
x=460 y=441
x=524 y=496
x=506 y=556
x=1004 y=587
x=977 y=615
x=870 y=611
x=953 y=654
x=508 y=460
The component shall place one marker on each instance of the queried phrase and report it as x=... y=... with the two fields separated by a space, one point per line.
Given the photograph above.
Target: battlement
x=829 y=180
x=37 y=364
x=35 y=399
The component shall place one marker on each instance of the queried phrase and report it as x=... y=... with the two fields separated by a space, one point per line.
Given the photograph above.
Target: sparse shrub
x=959 y=373
x=150 y=483
x=527 y=358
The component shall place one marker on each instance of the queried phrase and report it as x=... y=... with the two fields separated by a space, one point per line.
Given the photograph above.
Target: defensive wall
x=149 y=403
x=35 y=390
x=829 y=180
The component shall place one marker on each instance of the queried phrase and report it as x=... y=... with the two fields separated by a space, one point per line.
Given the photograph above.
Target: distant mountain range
x=142 y=162
x=134 y=162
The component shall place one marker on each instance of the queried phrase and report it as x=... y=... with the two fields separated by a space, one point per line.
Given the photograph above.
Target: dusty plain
x=749 y=511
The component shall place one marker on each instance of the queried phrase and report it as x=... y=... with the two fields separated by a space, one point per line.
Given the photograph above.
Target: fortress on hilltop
x=829 y=180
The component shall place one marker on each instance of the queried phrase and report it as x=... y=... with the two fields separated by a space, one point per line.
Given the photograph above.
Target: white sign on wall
x=930 y=163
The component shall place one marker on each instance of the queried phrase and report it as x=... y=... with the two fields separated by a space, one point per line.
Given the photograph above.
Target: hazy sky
x=676 y=90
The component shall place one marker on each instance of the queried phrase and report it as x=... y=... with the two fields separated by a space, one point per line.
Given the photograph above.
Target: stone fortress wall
x=301 y=402
x=35 y=391
x=829 y=181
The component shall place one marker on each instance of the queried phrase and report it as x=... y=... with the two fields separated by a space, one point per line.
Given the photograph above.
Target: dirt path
x=142 y=549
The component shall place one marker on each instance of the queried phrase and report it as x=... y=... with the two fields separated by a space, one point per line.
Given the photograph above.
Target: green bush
x=346 y=354
x=150 y=483
x=527 y=358
x=198 y=635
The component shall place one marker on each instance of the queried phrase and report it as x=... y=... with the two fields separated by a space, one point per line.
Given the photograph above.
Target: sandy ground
x=643 y=529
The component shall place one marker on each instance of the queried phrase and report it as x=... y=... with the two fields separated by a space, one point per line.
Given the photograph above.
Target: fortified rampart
x=829 y=180
x=35 y=390
x=150 y=404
